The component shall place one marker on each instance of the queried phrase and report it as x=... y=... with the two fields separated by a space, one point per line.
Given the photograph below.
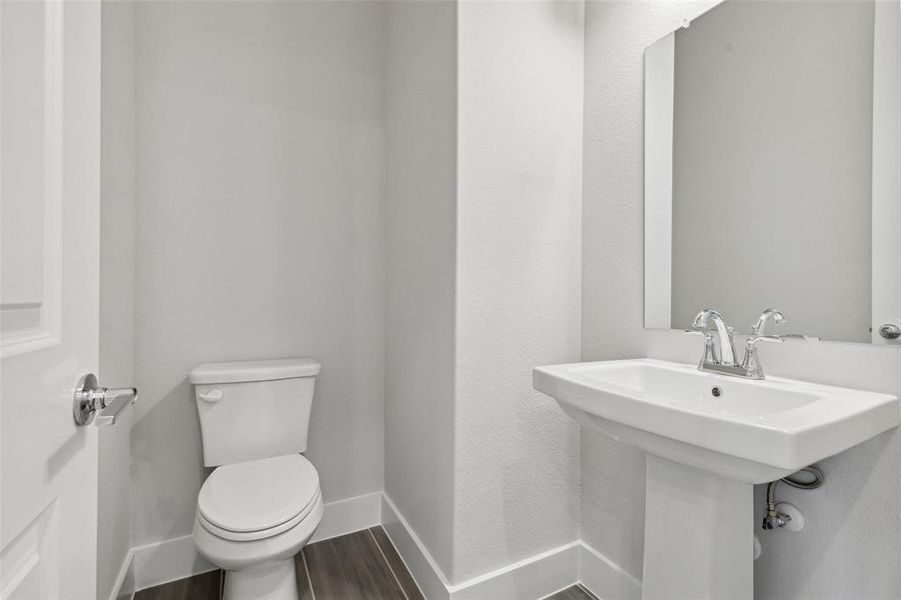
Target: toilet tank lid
x=254 y=370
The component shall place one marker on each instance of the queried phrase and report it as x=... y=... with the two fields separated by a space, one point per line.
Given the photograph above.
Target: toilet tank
x=253 y=409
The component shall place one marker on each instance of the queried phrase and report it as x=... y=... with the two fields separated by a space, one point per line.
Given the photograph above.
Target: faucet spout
x=724 y=333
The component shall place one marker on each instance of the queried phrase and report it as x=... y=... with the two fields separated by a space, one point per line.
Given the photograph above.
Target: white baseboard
x=604 y=578
x=535 y=577
x=124 y=585
x=168 y=560
x=351 y=514
x=422 y=566
x=176 y=558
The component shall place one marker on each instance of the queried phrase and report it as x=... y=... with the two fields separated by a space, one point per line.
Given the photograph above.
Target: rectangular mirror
x=773 y=168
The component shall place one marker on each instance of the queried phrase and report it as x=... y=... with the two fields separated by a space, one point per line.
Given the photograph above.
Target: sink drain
x=717 y=391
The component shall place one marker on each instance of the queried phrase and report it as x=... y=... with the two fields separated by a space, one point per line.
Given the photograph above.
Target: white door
x=49 y=222
x=886 y=272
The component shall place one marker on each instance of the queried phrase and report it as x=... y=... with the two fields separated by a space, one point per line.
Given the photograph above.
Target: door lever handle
x=890 y=331
x=90 y=399
x=113 y=402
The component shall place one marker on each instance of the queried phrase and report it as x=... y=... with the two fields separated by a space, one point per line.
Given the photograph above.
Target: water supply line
x=773 y=519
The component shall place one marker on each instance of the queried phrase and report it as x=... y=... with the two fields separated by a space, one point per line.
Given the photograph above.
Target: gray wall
x=262 y=132
x=259 y=229
x=516 y=474
x=772 y=145
x=849 y=548
x=483 y=275
x=420 y=228
x=117 y=283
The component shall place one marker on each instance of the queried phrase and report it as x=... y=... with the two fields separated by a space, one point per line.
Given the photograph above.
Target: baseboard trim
x=177 y=558
x=535 y=577
x=168 y=560
x=124 y=585
x=351 y=514
x=604 y=578
x=412 y=551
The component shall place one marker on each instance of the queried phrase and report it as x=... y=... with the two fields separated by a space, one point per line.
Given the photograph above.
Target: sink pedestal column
x=698 y=536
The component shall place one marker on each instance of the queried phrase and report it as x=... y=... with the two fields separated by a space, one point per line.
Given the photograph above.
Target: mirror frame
x=657 y=144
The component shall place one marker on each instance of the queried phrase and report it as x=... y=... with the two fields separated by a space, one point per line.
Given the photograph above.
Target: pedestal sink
x=709 y=438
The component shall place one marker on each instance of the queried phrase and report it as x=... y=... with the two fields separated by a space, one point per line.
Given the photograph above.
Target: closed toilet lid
x=258 y=494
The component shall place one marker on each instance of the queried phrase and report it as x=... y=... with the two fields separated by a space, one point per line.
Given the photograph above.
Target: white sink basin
x=755 y=431
x=705 y=449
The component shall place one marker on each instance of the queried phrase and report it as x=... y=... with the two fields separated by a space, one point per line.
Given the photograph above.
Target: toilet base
x=270 y=580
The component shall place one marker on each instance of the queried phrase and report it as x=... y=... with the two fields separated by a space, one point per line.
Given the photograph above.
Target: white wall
x=484 y=108
x=516 y=472
x=259 y=229
x=420 y=228
x=772 y=165
x=260 y=175
x=849 y=547
x=117 y=283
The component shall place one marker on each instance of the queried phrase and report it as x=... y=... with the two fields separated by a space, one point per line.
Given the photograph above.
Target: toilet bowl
x=262 y=503
x=252 y=518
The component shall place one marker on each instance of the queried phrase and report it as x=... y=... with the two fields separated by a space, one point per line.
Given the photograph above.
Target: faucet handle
x=710 y=354
x=773 y=339
x=771 y=314
x=703 y=331
x=778 y=339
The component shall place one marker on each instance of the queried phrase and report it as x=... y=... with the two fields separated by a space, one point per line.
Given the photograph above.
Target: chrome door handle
x=91 y=399
x=890 y=331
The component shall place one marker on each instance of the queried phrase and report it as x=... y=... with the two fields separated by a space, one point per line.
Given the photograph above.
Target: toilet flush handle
x=211 y=396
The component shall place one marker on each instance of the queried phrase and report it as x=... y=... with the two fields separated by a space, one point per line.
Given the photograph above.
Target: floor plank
x=397 y=564
x=358 y=566
x=304 y=590
x=351 y=567
x=575 y=592
x=205 y=586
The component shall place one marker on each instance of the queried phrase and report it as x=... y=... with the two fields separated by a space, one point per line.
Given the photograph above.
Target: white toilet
x=262 y=503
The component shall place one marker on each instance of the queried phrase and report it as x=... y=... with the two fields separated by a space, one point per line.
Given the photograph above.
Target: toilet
x=262 y=502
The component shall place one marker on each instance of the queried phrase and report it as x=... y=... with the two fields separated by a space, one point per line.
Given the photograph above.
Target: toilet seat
x=258 y=499
x=249 y=536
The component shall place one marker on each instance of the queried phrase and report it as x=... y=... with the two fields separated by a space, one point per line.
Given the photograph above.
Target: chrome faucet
x=726 y=354
x=719 y=350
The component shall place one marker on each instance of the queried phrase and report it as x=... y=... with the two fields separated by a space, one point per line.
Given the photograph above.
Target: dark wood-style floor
x=574 y=592
x=358 y=566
